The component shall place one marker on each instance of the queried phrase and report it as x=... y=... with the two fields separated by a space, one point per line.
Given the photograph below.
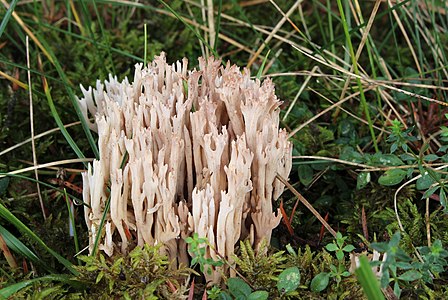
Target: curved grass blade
x=260 y=71
x=10 y=290
x=7 y=215
x=74 y=101
x=18 y=247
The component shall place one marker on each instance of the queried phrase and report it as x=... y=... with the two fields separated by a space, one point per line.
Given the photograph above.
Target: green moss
x=260 y=268
x=143 y=273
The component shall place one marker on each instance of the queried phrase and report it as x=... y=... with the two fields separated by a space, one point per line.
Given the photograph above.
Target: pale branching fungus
x=185 y=152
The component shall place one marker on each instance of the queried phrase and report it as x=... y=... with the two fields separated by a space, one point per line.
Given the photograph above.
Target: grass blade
x=58 y=120
x=10 y=290
x=7 y=215
x=358 y=80
x=7 y=16
x=75 y=104
x=18 y=247
x=368 y=280
x=100 y=227
x=260 y=70
x=218 y=25
x=72 y=221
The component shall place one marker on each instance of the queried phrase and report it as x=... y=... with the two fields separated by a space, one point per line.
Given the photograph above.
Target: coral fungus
x=182 y=152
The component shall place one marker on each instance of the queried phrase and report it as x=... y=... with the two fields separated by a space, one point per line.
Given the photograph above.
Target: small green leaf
x=362 y=180
x=305 y=174
x=258 y=295
x=331 y=247
x=395 y=239
x=348 y=248
x=126 y=296
x=397 y=289
x=4 y=183
x=91 y=268
x=430 y=191
x=291 y=250
x=403 y=265
x=430 y=157
x=380 y=247
x=99 y=277
x=424 y=182
x=392 y=177
x=387 y=159
x=333 y=269
x=339 y=254
x=410 y=275
x=111 y=286
x=442 y=198
x=224 y=296
x=238 y=288
x=320 y=282
x=346 y=273
x=288 y=280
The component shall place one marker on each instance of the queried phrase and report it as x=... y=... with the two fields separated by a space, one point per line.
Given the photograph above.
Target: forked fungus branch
x=185 y=152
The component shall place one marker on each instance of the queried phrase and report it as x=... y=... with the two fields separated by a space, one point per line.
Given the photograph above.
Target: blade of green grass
x=100 y=227
x=10 y=290
x=79 y=113
x=368 y=280
x=260 y=70
x=72 y=222
x=358 y=80
x=331 y=32
x=103 y=34
x=7 y=16
x=18 y=247
x=146 y=45
x=73 y=99
x=7 y=215
x=64 y=131
x=106 y=211
x=218 y=25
